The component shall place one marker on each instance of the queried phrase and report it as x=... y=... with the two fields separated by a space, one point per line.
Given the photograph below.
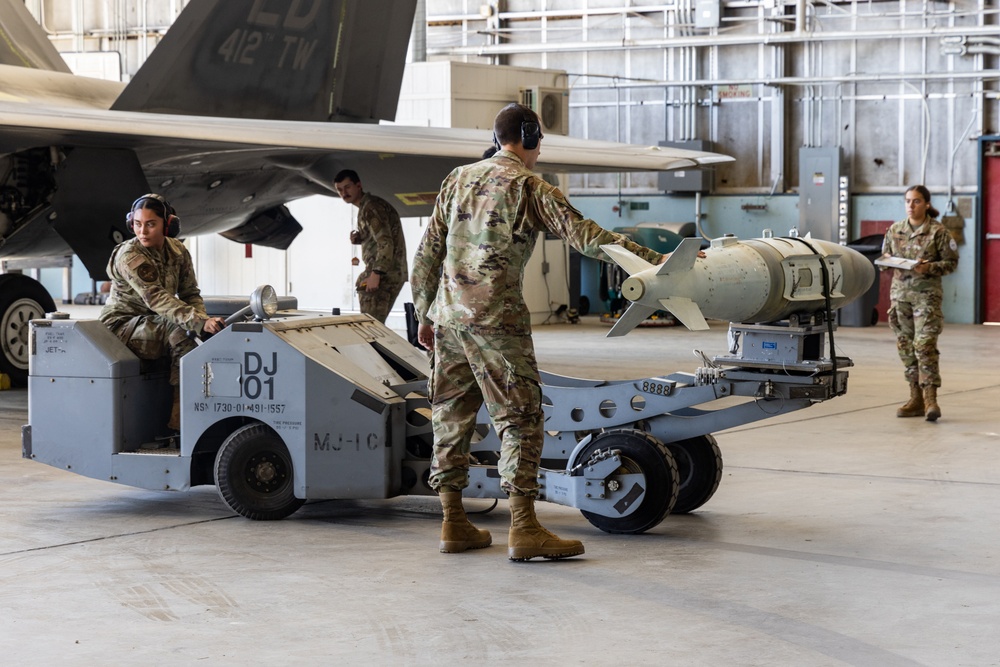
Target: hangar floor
x=840 y=535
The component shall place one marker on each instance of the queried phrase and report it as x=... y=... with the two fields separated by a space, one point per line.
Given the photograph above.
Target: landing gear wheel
x=253 y=471
x=699 y=463
x=640 y=453
x=21 y=299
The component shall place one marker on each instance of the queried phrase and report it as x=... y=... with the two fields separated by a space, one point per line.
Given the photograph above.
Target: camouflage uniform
x=467 y=281
x=383 y=251
x=915 y=299
x=154 y=299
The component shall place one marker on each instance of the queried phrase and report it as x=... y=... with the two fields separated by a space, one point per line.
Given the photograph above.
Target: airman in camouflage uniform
x=915 y=296
x=383 y=248
x=467 y=291
x=154 y=295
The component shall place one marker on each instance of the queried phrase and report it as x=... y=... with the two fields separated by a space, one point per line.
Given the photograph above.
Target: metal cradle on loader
x=277 y=411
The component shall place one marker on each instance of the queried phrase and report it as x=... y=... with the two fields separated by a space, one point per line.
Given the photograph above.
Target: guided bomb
x=756 y=281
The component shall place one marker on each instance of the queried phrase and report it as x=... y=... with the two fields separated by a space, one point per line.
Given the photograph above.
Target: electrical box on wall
x=823 y=195
x=707 y=13
x=688 y=180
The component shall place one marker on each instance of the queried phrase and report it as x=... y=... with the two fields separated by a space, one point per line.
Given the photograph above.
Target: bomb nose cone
x=633 y=288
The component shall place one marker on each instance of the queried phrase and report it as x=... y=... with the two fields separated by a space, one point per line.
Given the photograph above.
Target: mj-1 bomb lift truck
x=278 y=409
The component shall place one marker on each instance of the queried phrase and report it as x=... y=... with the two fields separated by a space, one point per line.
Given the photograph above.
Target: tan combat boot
x=915 y=406
x=457 y=532
x=528 y=539
x=930 y=401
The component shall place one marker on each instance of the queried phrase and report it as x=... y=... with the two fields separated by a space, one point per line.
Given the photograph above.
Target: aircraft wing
x=387 y=142
x=223 y=171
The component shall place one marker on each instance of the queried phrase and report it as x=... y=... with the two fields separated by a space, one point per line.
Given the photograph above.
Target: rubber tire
x=21 y=299
x=699 y=463
x=643 y=453
x=243 y=452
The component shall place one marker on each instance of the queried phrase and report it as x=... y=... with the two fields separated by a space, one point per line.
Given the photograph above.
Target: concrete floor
x=840 y=535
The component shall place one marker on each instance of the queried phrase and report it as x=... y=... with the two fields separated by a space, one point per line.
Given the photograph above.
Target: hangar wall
x=904 y=88
x=901 y=86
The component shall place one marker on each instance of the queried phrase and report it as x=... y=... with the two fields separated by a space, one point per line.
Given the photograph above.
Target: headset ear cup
x=173 y=226
x=530 y=135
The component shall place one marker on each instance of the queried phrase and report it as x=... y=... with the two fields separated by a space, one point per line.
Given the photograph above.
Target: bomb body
x=757 y=280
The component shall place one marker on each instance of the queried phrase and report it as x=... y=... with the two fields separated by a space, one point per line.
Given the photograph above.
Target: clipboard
x=897 y=263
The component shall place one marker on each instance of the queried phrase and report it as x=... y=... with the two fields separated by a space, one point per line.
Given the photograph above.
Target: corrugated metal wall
x=887 y=81
x=904 y=87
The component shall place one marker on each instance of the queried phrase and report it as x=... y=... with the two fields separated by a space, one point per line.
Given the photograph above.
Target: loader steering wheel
x=263 y=304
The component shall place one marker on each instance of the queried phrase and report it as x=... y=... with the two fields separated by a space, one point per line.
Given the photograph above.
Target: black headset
x=531 y=134
x=173 y=228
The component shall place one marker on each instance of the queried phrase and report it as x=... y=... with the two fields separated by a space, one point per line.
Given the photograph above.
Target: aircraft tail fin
x=324 y=60
x=23 y=43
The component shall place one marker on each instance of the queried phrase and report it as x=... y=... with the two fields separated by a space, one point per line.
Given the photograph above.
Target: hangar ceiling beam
x=711 y=40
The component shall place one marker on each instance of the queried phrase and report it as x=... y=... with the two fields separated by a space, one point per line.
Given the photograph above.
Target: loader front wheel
x=254 y=474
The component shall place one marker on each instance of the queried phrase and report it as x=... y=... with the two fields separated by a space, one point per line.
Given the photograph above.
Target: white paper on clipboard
x=897 y=262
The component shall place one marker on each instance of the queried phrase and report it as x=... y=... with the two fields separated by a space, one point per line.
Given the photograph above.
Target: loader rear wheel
x=699 y=464
x=21 y=299
x=641 y=453
x=254 y=474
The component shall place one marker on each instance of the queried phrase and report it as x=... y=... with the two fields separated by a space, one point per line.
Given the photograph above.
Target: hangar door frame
x=988 y=281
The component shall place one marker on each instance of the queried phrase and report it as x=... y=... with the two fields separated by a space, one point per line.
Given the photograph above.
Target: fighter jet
x=242 y=107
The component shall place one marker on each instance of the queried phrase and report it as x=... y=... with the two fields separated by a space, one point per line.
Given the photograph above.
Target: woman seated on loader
x=154 y=298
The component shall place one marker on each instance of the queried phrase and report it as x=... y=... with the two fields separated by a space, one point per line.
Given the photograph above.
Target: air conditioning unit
x=551 y=105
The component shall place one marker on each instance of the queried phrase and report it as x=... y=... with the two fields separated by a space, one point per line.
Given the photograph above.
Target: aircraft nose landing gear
x=21 y=300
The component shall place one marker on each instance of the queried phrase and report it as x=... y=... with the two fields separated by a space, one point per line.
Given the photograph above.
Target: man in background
x=383 y=249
